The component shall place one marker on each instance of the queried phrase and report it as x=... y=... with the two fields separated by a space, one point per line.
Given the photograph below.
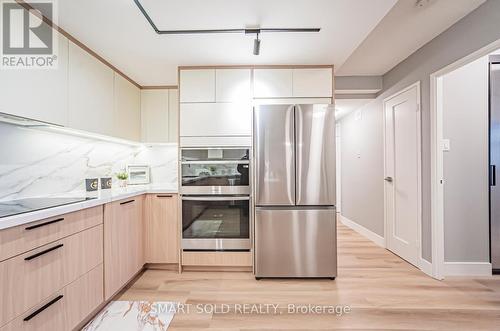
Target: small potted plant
x=122 y=178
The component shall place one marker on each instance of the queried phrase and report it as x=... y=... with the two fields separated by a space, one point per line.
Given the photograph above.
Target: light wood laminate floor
x=383 y=291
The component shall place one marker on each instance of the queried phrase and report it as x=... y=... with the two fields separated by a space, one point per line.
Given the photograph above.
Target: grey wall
x=466 y=187
x=476 y=30
x=362 y=167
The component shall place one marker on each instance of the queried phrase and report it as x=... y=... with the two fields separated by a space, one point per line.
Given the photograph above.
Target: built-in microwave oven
x=215 y=171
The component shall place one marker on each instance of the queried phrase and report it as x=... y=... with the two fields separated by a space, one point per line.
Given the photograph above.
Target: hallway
x=382 y=291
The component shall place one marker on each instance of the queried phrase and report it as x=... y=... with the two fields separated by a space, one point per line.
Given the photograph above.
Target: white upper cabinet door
x=40 y=94
x=273 y=83
x=233 y=85
x=90 y=92
x=155 y=122
x=312 y=83
x=127 y=105
x=173 y=115
x=197 y=85
x=215 y=119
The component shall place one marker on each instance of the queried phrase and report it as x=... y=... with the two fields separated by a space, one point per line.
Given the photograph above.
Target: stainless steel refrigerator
x=494 y=162
x=295 y=226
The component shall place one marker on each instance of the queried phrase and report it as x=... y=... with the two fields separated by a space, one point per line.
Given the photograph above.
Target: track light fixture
x=256 y=43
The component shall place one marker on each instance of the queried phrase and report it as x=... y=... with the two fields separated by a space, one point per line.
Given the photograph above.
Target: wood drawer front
x=74 y=303
x=20 y=239
x=83 y=296
x=27 y=279
x=50 y=319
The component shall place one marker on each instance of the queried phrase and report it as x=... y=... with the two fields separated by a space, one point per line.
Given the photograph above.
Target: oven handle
x=217 y=162
x=204 y=198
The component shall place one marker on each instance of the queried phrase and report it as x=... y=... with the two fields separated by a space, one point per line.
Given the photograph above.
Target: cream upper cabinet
x=39 y=94
x=154 y=112
x=273 y=83
x=127 y=109
x=215 y=119
x=159 y=111
x=90 y=93
x=173 y=115
x=312 y=82
x=233 y=85
x=197 y=85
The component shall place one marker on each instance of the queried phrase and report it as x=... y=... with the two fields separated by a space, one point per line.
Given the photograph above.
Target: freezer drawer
x=295 y=242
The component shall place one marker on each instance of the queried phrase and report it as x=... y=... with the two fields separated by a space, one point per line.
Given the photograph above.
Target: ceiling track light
x=256 y=45
x=213 y=31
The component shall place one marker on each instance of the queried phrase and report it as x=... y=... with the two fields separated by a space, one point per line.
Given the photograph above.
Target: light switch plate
x=446 y=145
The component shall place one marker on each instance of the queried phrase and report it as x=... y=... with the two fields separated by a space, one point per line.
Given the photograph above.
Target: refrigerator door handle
x=493 y=175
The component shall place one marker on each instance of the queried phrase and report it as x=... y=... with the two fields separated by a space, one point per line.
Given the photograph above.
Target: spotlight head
x=256 y=46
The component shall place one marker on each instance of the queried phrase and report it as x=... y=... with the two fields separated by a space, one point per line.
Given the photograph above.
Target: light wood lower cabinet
x=83 y=297
x=27 y=279
x=123 y=246
x=19 y=239
x=64 y=309
x=161 y=236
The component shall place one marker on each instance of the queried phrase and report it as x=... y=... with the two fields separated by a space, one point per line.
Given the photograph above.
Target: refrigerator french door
x=295 y=228
x=494 y=162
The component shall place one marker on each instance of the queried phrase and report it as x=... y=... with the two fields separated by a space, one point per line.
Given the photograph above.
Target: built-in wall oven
x=216 y=222
x=215 y=171
x=216 y=199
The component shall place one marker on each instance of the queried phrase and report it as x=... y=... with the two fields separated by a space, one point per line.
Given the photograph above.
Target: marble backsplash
x=37 y=162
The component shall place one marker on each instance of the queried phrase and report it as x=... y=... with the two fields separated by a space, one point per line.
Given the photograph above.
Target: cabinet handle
x=164 y=196
x=31 y=257
x=43 y=224
x=124 y=203
x=42 y=308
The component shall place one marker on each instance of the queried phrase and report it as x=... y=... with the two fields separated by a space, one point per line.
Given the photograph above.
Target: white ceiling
x=117 y=31
x=360 y=37
x=405 y=29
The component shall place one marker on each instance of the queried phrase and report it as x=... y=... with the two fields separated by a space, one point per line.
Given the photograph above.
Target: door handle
x=388 y=179
x=493 y=175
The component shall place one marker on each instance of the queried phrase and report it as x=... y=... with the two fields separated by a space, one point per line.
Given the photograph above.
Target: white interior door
x=402 y=173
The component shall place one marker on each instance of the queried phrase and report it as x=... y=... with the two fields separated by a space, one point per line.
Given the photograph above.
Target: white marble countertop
x=100 y=197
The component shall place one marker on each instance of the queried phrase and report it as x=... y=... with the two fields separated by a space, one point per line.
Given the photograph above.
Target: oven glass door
x=209 y=222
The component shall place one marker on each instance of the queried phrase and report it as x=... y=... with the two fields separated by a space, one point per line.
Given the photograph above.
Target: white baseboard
x=363 y=231
x=467 y=269
x=426 y=267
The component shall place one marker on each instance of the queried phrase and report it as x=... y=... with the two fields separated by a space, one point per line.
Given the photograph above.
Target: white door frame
x=437 y=193
x=421 y=262
x=338 y=165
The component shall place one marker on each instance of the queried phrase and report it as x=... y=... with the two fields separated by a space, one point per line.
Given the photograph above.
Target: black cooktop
x=21 y=206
